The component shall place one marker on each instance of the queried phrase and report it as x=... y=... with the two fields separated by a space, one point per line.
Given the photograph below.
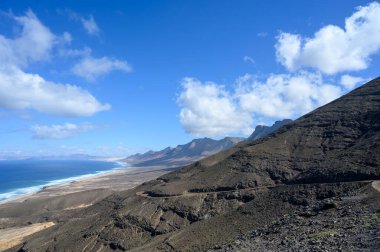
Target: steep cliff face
x=323 y=154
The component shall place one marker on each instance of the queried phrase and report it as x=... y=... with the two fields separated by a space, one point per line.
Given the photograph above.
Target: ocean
x=20 y=177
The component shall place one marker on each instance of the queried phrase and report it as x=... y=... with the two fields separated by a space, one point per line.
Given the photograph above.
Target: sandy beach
x=116 y=180
x=28 y=214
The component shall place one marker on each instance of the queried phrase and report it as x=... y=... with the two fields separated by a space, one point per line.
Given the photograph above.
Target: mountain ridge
x=331 y=153
x=182 y=154
x=197 y=149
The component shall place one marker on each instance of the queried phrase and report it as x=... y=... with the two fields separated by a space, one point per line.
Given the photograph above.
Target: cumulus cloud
x=349 y=82
x=90 y=68
x=334 y=49
x=208 y=109
x=288 y=50
x=59 y=131
x=21 y=90
x=284 y=95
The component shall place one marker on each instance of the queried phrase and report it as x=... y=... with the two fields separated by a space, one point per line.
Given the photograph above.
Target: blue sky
x=118 y=77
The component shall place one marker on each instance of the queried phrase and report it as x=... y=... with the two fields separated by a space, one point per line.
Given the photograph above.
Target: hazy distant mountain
x=262 y=130
x=183 y=154
x=197 y=149
x=65 y=157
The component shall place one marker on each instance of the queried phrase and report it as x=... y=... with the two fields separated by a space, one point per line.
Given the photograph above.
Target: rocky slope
x=329 y=154
x=350 y=223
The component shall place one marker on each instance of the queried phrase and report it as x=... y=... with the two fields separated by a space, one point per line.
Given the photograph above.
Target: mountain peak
x=262 y=130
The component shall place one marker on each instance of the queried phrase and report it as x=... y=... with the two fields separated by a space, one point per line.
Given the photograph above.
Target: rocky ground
x=350 y=223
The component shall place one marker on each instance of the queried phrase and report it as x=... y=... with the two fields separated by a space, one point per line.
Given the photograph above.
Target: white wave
x=33 y=189
x=19 y=192
x=122 y=165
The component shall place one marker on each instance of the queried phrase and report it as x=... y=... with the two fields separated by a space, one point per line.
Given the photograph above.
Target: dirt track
x=375 y=185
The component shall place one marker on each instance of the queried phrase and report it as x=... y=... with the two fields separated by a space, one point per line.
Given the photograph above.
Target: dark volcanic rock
x=303 y=169
x=353 y=225
x=262 y=130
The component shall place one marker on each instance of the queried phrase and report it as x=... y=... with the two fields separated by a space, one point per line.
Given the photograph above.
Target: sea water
x=20 y=177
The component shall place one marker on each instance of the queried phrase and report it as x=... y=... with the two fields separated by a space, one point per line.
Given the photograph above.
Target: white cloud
x=59 y=131
x=333 y=49
x=68 y=52
x=21 y=90
x=349 y=82
x=288 y=50
x=209 y=110
x=90 y=25
x=248 y=59
x=285 y=95
x=34 y=42
x=67 y=38
x=90 y=68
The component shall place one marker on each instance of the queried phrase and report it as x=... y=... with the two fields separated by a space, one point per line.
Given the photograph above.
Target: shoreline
x=29 y=214
x=30 y=190
x=117 y=179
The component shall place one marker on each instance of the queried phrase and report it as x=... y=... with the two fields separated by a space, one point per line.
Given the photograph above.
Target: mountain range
x=196 y=149
x=308 y=175
x=182 y=154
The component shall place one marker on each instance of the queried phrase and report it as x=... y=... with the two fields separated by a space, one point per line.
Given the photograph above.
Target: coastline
x=117 y=179
x=30 y=190
x=31 y=213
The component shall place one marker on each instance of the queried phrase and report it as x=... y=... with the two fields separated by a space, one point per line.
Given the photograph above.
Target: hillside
x=316 y=167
